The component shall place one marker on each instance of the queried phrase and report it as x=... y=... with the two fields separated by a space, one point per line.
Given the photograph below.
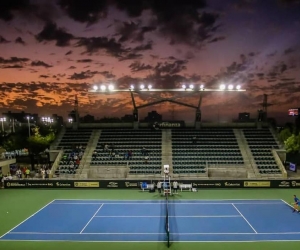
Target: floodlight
x=111 y=87
x=230 y=86
x=95 y=87
x=191 y=86
x=142 y=86
x=149 y=86
x=222 y=86
x=201 y=86
x=183 y=86
x=103 y=87
x=131 y=86
x=238 y=87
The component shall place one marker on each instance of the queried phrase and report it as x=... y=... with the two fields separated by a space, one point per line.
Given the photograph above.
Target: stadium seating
x=121 y=141
x=74 y=143
x=212 y=146
x=261 y=142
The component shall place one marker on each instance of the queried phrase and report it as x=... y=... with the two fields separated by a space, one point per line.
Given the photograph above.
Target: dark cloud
x=272 y=54
x=94 y=44
x=51 y=32
x=170 y=68
x=16 y=66
x=84 y=11
x=107 y=74
x=41 y=64
x=20 y=40
x=84 y=61
x=13 y=60
x=8 y=8
x=137 y=66
x=130 y=56
x=143 y=47
x=3 y=40
x=216 y=39
x=181 y=21
x=44 y=76
x=83 y=75
x=244 y=5
x=288 y=51
x=189 y=55
x=290 y=2
x=132 y=31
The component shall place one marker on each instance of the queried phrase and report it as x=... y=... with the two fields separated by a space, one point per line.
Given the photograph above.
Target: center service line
x=244 y=218
x=91 y=218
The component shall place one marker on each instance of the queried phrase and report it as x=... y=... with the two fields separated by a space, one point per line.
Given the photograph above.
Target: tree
x=292 y=144
x=38 y=143
x=285 y=134
x=14 y=142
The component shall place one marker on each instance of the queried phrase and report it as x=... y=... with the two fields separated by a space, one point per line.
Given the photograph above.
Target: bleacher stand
x=194 y=150
x=74 y=143
x=261 y=142
x=139 y=149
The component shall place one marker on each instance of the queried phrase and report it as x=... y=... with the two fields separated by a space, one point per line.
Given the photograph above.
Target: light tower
x=185 y=90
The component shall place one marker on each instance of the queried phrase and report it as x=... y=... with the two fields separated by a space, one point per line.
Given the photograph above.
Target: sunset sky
x=51 y=51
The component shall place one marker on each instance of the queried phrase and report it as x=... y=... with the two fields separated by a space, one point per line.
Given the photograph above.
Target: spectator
x=129 y=155
x=158 y=186
x=146 y=158
x=43 y=172
x=175 y=187
x=19 y=173
x=27 y=173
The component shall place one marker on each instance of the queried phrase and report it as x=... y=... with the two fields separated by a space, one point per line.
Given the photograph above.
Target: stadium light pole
x=28 y=122
x=3 y=119
x=185 y=88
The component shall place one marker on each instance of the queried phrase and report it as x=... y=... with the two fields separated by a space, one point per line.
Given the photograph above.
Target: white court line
x=91 y=219
x=244 y=218
x=289 y=204
x=40 y=233
x=162 y=203
x=154 y=241
x=158 y=216
x=27 y=218
x=159 y=200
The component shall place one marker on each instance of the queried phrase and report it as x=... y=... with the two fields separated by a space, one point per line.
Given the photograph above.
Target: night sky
x=51 y=51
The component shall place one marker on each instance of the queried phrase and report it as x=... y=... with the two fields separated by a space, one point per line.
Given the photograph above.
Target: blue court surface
x=144 y=221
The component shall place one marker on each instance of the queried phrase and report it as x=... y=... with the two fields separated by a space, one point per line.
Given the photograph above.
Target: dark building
x=244 y=117
x=153 y=116
x=21 y=117
x=88 y=118
x=127 y=118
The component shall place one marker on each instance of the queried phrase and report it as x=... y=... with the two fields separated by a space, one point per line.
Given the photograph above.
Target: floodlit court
x=145 y=221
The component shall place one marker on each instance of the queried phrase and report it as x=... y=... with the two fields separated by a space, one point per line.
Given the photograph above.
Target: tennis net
x=167 y=226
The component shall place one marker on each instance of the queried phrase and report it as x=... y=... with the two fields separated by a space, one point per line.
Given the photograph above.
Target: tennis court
x=145 y=221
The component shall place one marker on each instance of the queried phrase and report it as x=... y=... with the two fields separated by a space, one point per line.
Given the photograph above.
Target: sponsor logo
x=232 y=184
x=295 y=184
x=284 y=184
x=87 y=184
x=112 y=184
x=169 y=124
x=257 y=184
x=207 y=184
x=131 y=184
x=62 y=184
x=40 y=184
x=15 y=184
